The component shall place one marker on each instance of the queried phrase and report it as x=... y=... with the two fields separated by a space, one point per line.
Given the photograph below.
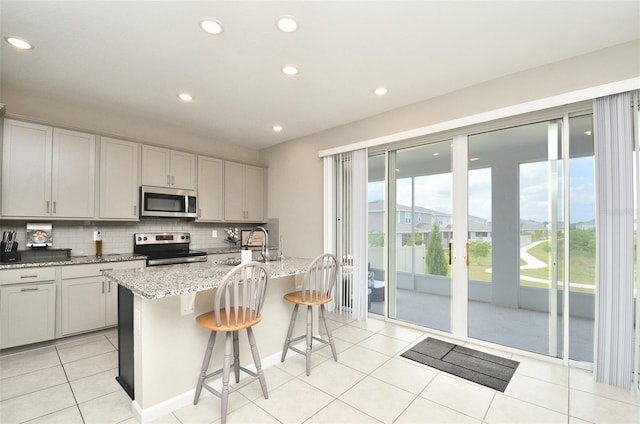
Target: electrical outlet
x=214 y=233
x=96 y=235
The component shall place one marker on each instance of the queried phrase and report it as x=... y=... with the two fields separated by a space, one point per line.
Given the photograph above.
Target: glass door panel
x=582 y=239
x=376 y=279
x=420 y=229
x=515 y=234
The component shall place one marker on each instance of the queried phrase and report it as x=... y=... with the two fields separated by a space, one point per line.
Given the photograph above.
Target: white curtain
x=613 y=133
x=346 y=228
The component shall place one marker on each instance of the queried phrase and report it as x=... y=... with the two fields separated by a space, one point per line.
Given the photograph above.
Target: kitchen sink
x=228 y=262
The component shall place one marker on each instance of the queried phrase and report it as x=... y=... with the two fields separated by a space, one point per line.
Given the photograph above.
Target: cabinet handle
x=109 y=286
x=54 y=206
x=29 y=289
x=199 y=212
x=173 y=180
x=168 y=180
x=106 y=269
x=29 y=276
x=135 y=210
x=103 y=287
x=47 y=202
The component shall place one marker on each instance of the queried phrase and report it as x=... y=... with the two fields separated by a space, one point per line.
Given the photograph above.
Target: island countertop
x=173 y=280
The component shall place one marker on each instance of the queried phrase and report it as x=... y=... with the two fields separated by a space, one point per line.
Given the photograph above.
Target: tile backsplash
x=117 y=237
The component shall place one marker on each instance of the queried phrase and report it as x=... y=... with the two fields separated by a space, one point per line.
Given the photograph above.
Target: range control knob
x=139 y=238
x=144 y=238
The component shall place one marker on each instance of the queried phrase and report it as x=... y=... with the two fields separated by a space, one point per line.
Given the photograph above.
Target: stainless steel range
x=166 y=248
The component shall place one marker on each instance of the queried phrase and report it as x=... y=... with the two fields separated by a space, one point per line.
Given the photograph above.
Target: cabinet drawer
x=27 y=275
x=91 y=270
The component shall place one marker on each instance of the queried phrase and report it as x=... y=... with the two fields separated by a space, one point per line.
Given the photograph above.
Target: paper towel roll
x=245 y=256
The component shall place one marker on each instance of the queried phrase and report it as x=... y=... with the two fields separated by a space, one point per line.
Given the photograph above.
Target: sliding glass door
x=514 y=290
x=420 y=228
x=529 y=227
x=518 y=240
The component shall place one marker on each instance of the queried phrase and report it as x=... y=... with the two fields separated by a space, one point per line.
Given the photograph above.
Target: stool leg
x=309 y=337
x=326 y=327
x=292 y=323
x=236 y=356
x=205 y=365
x=257 y=362
x=226 y=369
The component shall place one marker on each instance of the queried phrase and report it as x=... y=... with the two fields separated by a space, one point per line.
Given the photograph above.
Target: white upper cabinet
x=168 y=168
x=243 y=192
x=73 y=174
x=210 y=189
x=118 y=179
x=47 y=172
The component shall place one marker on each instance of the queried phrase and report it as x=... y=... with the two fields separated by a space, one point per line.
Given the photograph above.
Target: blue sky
x=434 y=192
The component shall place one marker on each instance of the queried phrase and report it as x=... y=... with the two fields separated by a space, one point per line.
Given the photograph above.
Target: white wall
x=124 y=124
x=295 y=170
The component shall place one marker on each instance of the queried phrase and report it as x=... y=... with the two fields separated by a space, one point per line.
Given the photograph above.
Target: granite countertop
x=73 y=260
x=173 y=280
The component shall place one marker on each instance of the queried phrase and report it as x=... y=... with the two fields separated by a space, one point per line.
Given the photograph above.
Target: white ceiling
x=135 y=56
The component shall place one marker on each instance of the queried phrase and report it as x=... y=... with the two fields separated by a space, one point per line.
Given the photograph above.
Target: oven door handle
x=179 y=260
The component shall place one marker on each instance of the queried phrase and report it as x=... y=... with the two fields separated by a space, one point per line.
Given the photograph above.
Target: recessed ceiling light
x=289 y=70
x=185 y=97
x=380 y=91
x=436 y=154
x=474 y=159
x=277 y=128
x=210 y=26
x=588 y=132
x=18 y=43
x=287 y=24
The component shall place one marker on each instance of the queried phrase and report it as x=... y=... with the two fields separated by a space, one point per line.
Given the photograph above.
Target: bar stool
x=237 y=305
x=317 y=287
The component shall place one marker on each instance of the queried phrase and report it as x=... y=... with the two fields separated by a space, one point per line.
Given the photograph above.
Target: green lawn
x=582 y=268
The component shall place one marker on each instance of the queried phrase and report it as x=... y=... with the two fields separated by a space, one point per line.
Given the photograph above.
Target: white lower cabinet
x=89 y=301
x=27 y=306
x=83 y=304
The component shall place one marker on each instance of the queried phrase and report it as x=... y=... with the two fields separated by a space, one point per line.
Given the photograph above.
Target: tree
x=479 y=249
x=418 y=238
x=437 y=263
x=376 y=239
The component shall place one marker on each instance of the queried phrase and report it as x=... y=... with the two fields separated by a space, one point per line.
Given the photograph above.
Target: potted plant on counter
x=233 y=236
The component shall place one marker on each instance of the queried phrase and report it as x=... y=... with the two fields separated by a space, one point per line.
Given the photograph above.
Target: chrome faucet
x=265 y=244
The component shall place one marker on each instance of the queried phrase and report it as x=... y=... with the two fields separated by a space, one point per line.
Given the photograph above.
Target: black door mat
x=482 y=368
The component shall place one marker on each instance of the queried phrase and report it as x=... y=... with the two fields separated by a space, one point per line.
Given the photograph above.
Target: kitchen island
x=160 y=345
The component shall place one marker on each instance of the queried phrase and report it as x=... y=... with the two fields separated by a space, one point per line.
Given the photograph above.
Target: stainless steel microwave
x=167 y=202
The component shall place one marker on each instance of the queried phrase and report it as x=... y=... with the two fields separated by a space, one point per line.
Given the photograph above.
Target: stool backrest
x=241 y=293
x=320 y=278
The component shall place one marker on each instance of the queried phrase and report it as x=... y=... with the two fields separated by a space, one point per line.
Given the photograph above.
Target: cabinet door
x=118 y=179
x=254 y=193
x=183 y=170
x=73 y=174
x=28 y=314
x=26 y=169
x=233 y=191
x=156 y=165
x=210 y=189
x=112 y=302
x=83 y=304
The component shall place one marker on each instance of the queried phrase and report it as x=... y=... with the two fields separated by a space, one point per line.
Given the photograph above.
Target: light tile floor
x=74 y=382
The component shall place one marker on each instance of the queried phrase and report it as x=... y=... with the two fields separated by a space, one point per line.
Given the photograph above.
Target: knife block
x=11 y=256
